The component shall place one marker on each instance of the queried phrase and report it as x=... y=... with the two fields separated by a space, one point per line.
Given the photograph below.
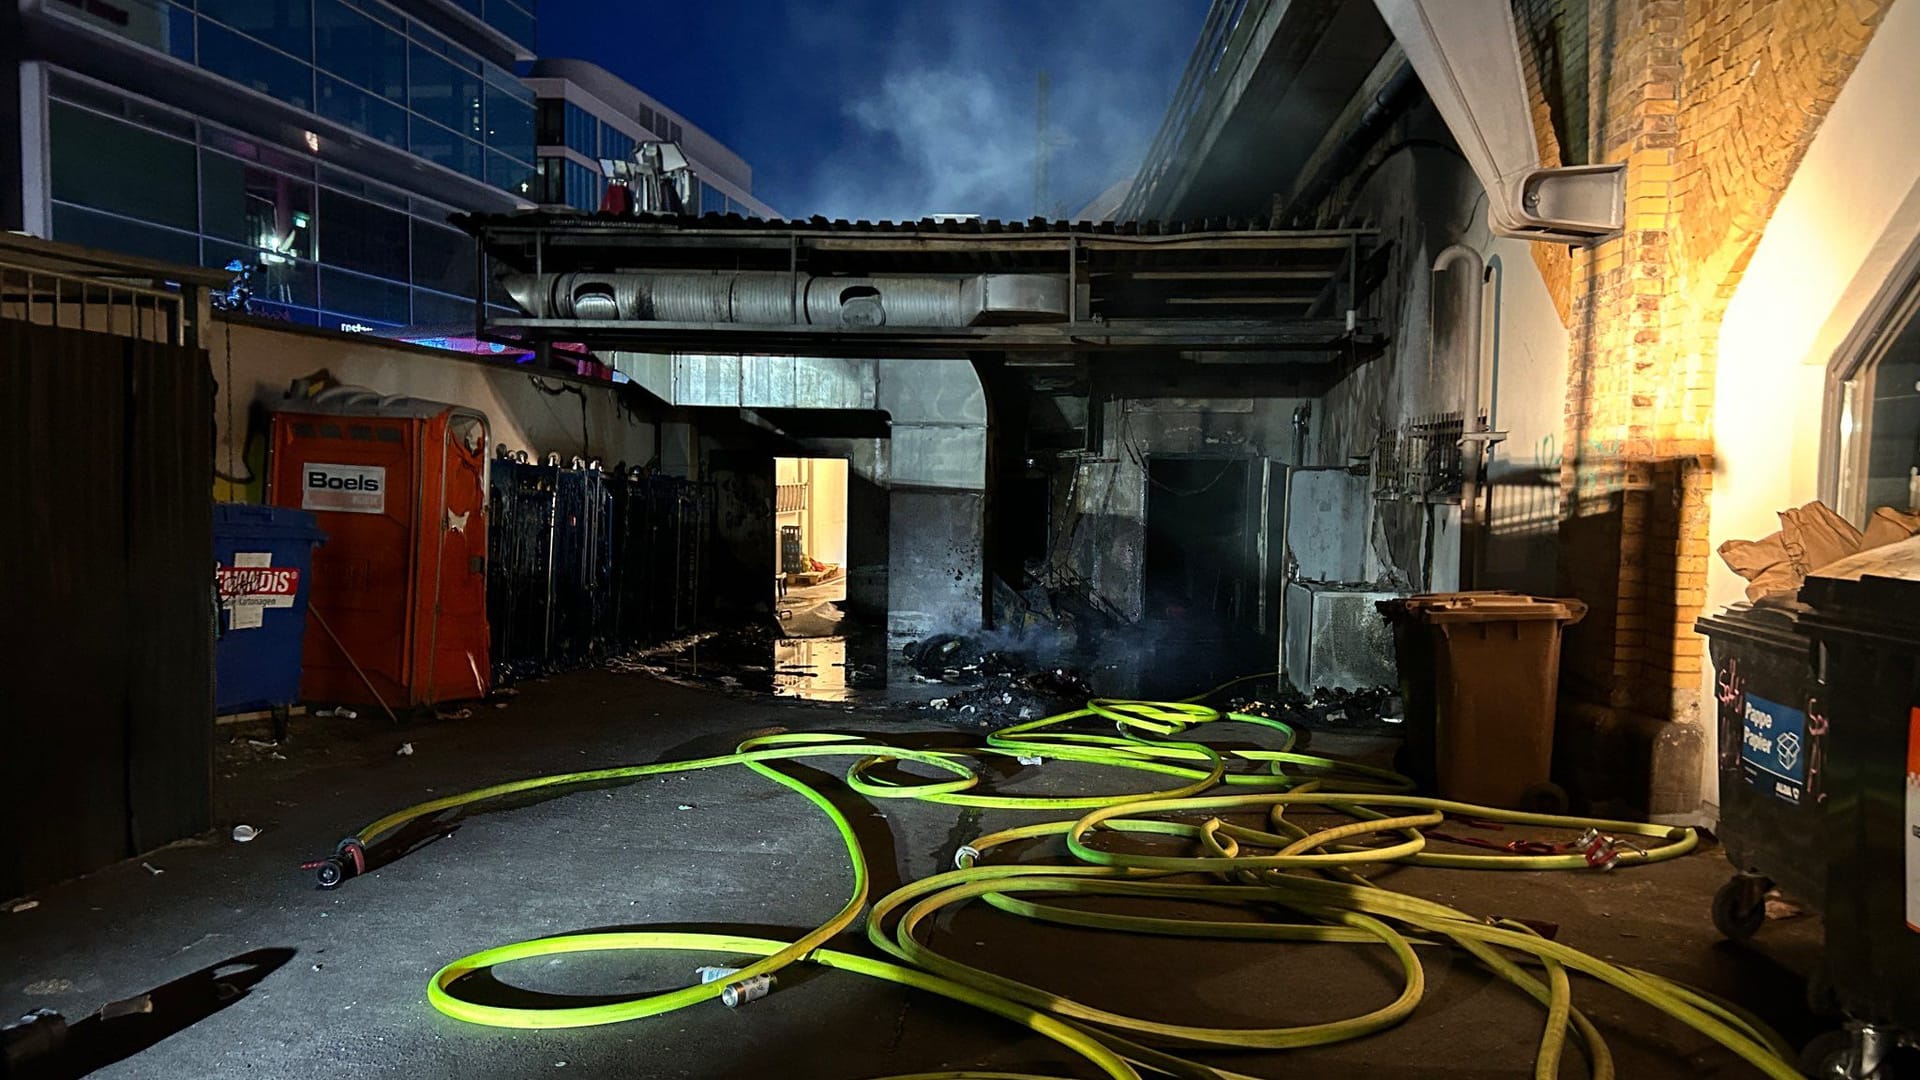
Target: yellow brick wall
x=1711 y=104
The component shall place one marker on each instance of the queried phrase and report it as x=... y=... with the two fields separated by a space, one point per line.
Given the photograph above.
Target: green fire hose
x=1204 y=799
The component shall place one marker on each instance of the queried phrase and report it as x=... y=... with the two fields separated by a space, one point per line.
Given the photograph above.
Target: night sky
x=900 y=108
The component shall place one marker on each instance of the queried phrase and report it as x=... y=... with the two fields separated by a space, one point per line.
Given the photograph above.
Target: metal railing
x=52 y=298
x=75 y=288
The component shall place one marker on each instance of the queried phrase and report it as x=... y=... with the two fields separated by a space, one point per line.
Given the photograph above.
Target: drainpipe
x=1473 y=431
x=1302 y=419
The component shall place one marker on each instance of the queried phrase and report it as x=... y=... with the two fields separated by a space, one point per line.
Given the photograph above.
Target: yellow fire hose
x=1311 y=874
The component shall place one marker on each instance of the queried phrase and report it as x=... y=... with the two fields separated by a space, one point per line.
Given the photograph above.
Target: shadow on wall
x=1626 y=671
x=1522 y=539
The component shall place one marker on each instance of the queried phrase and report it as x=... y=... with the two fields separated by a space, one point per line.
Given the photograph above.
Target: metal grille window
x=1420 y=460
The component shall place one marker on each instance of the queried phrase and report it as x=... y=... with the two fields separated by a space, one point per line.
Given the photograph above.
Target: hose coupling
x=349 y=859
x=746 y=990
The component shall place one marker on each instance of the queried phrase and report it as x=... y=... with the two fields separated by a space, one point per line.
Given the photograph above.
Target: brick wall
x=1711 y=103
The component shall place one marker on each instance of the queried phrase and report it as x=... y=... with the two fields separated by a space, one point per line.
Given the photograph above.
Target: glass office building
x=324 y=141
x=586 y=113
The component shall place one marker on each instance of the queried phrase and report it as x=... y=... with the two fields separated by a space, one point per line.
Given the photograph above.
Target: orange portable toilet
x=397 y=611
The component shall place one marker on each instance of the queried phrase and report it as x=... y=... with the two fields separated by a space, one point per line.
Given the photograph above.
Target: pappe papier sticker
x=352 y=489
x=1773 y=748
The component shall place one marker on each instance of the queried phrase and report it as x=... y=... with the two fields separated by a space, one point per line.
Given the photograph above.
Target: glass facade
x=330 y=248
x=566 y=182
x=513 y=18
x=364 y=65
x=582 y=131
x=615 y=144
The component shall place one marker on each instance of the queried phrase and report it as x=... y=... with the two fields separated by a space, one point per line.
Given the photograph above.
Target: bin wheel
x=1545 y=797
x=1740 y=907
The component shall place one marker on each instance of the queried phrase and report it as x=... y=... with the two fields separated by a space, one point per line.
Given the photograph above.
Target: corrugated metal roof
x=545 y=218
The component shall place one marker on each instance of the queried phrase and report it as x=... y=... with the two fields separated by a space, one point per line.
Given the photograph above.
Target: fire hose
x=1313 y=874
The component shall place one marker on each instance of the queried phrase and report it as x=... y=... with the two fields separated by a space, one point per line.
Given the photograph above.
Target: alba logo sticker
x=348 y=489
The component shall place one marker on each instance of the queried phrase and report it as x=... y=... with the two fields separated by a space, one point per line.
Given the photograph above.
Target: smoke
x=947 y=122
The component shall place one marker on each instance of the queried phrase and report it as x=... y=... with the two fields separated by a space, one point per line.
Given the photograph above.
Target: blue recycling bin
x=263 y=557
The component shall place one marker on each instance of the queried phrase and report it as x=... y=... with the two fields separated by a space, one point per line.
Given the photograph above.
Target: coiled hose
x=1311 y=874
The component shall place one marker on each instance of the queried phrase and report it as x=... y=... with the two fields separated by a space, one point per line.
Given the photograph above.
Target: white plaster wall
x=1851 y=210
x=1525 y=391
x=1523 y=377
x=827 y=511
x=264 y=361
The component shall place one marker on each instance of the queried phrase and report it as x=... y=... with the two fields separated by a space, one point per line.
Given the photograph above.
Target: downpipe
x=1473 y=428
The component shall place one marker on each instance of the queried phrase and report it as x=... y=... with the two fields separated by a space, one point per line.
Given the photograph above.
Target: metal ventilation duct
x=1467 y=54
x=772 y=298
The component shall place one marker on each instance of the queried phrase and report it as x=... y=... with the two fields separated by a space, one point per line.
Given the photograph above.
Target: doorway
x=810 y=543
x=1199 y=532
x=1202 y=568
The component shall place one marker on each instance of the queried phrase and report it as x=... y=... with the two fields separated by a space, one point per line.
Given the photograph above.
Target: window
x=511 y=21
x=109 y=165
x=432 y=309
x=359 y=50
x=615 y=144
x=711 y=201
x=445 y=93
x=510 y=175
x=363 y=297
x=227 y=54
x=585 y=187
x=158 y=25
x=284 y=24
x=583 y=131
x=673 y=131
x=443 y=259
x=550 y=125
x=248 y=205
x=1880 y=418
x=549 y=181
x=179 y=32
x=102 y=100
x=360 y=236
x=510 y=120
x=437 y=144
x=72 y=225
x=647 y=119
x=287 y=281
x=362 y=112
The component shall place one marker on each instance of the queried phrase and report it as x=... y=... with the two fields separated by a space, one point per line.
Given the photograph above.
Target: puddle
x=817 y=669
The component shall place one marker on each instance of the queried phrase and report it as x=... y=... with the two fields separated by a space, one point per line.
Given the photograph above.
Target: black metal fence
x=584 y=563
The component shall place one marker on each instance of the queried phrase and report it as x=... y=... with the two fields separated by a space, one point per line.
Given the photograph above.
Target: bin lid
x=256 y=522
x=1773 y=621
x=1878 y=587
x=1484 y=606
